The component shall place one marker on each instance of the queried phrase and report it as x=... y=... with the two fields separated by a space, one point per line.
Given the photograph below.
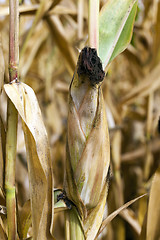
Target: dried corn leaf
x=131 y=220
x=32 y=48
x=115 y=28
x=25 y=220
x=2 y=234
x=94 y=219
x=156 y=46
x=62 y=42
x=145 y=87
x=2 y=66
x=59 y=10
x=144 y=228
x=3 y=228
x=22 y=9
x=43 y=8
x=115 y=213
x=31 y=9
x=2 y=194
x=2 y=152
x=153 y=218
x=39 y=164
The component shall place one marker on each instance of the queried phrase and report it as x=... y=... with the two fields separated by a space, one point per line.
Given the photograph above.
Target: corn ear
x=88 y=147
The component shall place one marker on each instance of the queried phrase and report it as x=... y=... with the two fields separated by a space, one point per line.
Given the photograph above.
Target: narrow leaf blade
x=153 y=218
x=115 y=213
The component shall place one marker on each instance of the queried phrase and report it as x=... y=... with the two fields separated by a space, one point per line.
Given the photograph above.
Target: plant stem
x=12 y=119
x=93 y=24
x=11 y=142
x=73 y=228
x=80 y=7
x=13 y=39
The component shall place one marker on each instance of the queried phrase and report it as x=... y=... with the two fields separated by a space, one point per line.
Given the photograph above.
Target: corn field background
x=51 y=34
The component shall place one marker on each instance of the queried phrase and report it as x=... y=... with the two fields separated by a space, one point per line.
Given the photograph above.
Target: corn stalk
x=93 y=24
x=12 y=117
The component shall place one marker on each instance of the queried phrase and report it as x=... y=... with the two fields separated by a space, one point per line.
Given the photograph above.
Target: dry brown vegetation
x=51 y=32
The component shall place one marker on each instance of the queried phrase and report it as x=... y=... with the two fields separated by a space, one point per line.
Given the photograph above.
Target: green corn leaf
x=115 y=28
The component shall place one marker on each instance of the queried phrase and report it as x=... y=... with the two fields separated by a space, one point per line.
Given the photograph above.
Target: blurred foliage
x=51 y=32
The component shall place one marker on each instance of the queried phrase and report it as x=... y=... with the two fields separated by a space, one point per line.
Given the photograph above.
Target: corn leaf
x=38 y=157
x=2 y=153
x=2 y=234
x=115 y=213
x=153 y=218
x=62 y=42
x=147 y=86
x=2 y=66
x=144 y=228
x=3 y=228
x=115 y=28
x=25 y=220
x=94 y=219
x=43 y=8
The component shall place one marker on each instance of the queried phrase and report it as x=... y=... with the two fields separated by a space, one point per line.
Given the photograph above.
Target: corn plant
x=87 y=166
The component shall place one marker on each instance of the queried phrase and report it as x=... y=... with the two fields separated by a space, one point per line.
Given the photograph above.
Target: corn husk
x=88 y=148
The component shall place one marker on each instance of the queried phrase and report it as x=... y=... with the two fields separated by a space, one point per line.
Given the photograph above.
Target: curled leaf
x=38 y=156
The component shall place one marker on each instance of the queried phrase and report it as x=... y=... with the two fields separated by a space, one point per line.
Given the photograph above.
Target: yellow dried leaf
x=2 y=234
x=153 y=218
x=145 y=87
x=62 y=42
x=2 y=152
x=94 y=220
x=25 y=220
x=3 y=228
x=26 y=60
x=115 y=213
x=2 y=66
x=38 y=156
